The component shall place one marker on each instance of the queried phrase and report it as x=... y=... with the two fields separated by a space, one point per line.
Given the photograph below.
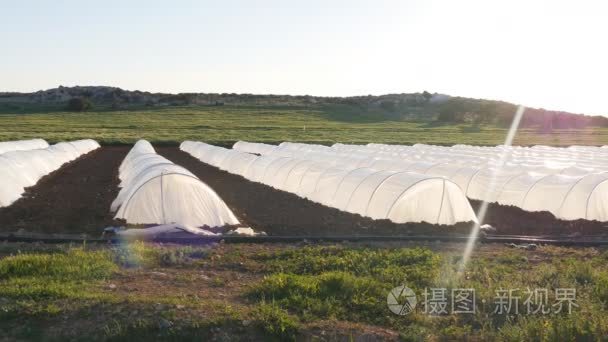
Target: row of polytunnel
x=379 y=194
x=154 y=190
x=24 y=163
x=22 y=145
x=419 y=183
x=571 y=183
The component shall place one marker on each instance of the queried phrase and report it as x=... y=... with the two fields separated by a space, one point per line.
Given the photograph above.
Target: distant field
x=226 y=124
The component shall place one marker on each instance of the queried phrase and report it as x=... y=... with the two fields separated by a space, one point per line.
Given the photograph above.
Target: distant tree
x=452 y=110
x=79 y=104
x=598 y=121
x=447 y=114
x=427 y=96
x=116 y=105
x=388 y=106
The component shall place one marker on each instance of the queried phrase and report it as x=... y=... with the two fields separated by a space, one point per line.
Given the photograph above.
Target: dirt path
x=74 y=199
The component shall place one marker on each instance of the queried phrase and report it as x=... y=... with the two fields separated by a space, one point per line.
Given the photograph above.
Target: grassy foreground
x=285 y=292
x=272 y=124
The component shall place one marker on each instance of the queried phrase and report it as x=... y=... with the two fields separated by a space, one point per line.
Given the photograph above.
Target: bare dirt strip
x=74 y=199
x=77 y=197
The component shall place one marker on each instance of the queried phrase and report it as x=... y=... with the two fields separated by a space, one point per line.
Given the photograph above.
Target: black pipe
x=563 y=241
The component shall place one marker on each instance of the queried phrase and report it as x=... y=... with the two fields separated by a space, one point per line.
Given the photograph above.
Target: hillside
x=119 y=97
x=412 y=107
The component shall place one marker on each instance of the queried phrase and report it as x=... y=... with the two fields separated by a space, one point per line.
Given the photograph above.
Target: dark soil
x=74 y=199
x=512 y=220
x=77 y=198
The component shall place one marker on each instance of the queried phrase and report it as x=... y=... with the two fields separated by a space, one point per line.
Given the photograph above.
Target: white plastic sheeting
x=162 y=230
x=156 y=191
x=568 y=182
x=398 y=196
x=22 y=145
x=256 y=148
x=23 y=168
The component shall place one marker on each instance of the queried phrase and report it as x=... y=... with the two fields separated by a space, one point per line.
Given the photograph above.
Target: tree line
x=477 y=112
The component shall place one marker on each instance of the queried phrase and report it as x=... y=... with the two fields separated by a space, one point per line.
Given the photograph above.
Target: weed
x=276 y=322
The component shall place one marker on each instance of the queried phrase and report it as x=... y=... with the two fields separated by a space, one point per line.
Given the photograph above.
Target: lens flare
x=483 y=208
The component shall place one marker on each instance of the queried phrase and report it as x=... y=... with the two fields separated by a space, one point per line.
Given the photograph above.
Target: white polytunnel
x=156 y=191
x=313 y=174
x=570 y=197
x=537 y=178
x=22 y=168
x=256 y=148
x=22 y=145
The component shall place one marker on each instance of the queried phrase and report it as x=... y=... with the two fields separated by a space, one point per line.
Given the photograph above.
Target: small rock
x=179 y=306
x=526 y=246
x=242 y=231
x=164 y=324
x=246 y=323
x=112 y=286
x=487 y=228
x=531 y=246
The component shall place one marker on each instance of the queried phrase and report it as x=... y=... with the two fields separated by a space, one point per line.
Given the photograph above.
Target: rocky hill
x=424 y=105
x=118 y=96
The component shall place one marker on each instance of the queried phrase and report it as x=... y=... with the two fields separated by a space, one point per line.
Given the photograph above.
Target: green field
x=271 y=124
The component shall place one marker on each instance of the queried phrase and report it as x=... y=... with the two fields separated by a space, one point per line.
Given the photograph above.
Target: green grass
x=416 y=266
x=38 y=276
x=272 y=124
x=318 y=283
x=75 y=264
x=286 y=292
x=329 y=295
x=276 y=322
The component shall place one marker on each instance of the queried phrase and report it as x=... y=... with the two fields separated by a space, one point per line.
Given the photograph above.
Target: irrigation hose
x=586 y=241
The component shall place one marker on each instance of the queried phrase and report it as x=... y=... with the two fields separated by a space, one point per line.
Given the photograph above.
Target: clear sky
x=550 y=54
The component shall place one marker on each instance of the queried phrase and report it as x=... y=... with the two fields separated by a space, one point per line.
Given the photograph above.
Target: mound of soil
x=512 y=220
x=74 y=199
